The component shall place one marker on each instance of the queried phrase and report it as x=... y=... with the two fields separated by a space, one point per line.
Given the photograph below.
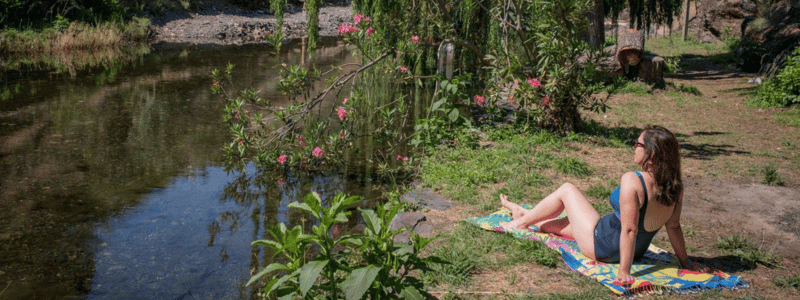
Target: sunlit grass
x=674 y=46
x=78 y=36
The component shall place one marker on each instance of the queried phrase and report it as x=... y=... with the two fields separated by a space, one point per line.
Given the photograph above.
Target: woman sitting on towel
x=623 y=236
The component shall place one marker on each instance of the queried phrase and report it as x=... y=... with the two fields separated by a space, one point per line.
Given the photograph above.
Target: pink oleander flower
x=301 y=141
x=546 y=100
x=357 y=18
x=236 y=116
x=479 y=100
x=342 y=113
x=403 y=69
x=399 y=157
x=415 y=39
x=241 y=143
x=282 y=159
x=281 y=181
x=511 y=99
x=405 y=158
x=370 y=31
x=535 y=83
x=344 y=102
x=318 y=152
x=347 y=29
x=366 y=19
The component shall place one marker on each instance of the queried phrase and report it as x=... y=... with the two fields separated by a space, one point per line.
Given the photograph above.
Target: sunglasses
x=636 y=144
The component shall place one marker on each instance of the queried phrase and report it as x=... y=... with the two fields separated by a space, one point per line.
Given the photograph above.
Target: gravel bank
x=238 y=26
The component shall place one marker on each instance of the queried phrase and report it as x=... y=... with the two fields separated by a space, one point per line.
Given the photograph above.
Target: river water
x=111 y=181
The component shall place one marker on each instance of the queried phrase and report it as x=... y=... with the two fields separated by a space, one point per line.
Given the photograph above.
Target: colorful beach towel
x=657 y=271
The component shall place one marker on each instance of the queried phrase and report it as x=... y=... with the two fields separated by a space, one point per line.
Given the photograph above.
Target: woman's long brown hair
x=664 y=161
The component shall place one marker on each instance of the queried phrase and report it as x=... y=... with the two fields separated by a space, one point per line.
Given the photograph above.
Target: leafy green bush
x=784 y=88
x=381 y=270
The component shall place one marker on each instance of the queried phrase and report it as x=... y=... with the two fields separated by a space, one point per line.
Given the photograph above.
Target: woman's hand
x=624 y=279
x=697 y=267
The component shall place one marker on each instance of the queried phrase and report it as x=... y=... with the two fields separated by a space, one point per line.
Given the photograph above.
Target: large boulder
x=716 y=20
x=765 y=46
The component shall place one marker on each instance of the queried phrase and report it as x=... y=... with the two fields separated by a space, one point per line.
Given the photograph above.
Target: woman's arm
x=629 y=217
x=675 y=234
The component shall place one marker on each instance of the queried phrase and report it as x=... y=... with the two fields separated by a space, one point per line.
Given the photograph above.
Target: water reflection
x=111 y=184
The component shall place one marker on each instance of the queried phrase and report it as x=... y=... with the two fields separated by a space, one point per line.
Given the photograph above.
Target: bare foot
x=511 y=225
x=517 y=211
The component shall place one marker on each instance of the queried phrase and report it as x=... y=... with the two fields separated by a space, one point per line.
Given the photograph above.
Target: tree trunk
x=685 y=19
x=596 y=34
x=630 y=47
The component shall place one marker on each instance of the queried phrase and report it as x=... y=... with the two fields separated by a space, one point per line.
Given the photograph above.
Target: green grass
x=790 y=117
x=599 y=191
x=690 y=89
x=517 y=159
x=469 y=249
x=572 y=166
x=674 y=46
x=788 y=282
x=741 y=247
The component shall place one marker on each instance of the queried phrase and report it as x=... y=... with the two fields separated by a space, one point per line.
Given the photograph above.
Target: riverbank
x=74 y=36
x=234 y=25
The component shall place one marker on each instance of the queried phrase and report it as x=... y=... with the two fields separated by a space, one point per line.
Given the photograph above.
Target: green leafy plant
x=784 y=88
x=672 y=65
x=383 y=267
x=443 y=115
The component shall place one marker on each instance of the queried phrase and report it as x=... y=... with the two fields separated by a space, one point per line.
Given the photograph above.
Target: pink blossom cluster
x=403 y=158
x=546 y=100
x=403 y=69
x=282 y=159
x=347 y=29
x=344 y=102
x=357 y=18
x=281 y=181
x=535 y=83
x=415 y=39
x=342 y=113
x=370 y=30
x=478 y=99
x=301 y=141
x=318 y=152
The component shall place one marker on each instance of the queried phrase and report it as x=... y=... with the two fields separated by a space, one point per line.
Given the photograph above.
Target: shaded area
x=705 y=151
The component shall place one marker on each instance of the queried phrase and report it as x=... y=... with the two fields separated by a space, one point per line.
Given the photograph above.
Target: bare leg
x=580 y=222
x=517 y=211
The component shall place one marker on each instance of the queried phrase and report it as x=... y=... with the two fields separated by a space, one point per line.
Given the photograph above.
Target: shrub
x=784 y=88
